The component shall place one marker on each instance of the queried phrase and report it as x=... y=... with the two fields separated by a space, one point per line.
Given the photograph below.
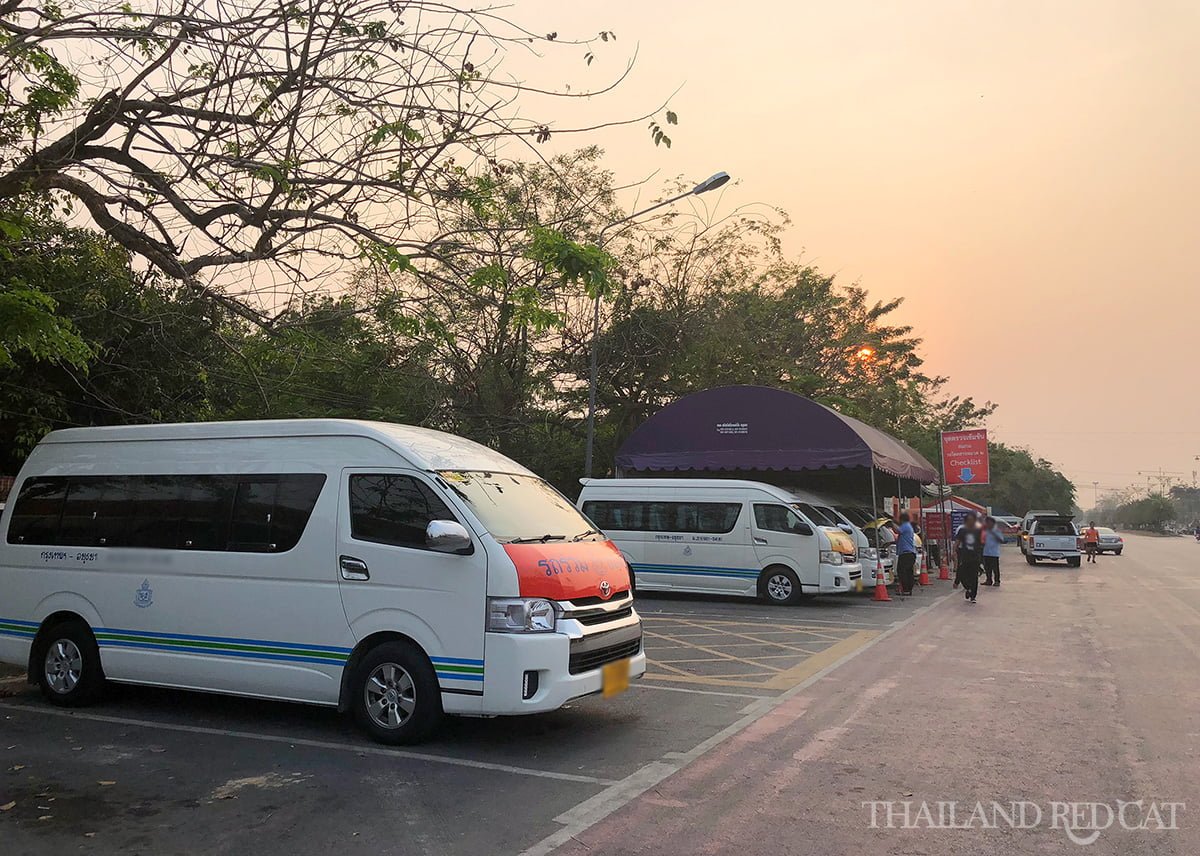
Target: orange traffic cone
x=924 y=578
x=944 y=571
x=880 y=584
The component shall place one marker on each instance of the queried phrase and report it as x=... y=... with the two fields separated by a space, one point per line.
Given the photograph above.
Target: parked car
x=1053 y=539
x=1110 y=541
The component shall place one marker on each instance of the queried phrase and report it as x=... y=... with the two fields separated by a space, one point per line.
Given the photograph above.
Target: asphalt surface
x=162 y=772
x=757 y=730
x=1063 y=686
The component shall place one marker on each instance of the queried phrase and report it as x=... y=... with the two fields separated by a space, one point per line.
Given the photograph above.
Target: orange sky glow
x=1026 y=174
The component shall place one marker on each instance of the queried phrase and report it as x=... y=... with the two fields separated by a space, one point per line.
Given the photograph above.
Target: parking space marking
x=357 y=748
x=644 y=686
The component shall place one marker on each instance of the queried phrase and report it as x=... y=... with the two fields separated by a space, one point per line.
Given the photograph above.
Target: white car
x=1053 y=539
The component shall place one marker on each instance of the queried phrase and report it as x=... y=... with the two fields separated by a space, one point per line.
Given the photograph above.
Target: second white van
x=721 y=536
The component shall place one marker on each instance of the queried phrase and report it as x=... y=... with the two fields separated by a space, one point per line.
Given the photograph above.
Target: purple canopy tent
x=740 y=428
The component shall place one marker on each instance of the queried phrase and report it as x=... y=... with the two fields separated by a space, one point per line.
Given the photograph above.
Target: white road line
x=644 y=686
x=591 y=811
x=358 y=748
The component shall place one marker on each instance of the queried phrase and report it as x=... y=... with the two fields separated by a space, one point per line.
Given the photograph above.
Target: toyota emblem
x=605 y=589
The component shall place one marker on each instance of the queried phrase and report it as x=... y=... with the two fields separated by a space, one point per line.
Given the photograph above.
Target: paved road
x=1061 y=686
x=758 y=730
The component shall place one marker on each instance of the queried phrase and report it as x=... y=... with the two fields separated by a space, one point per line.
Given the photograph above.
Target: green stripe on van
x=332 y=656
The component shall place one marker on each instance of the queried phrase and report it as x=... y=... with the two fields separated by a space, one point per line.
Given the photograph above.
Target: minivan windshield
x=519 y=508
x=816 y=515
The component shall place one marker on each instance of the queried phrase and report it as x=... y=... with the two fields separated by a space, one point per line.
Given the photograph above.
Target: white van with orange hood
x=395 y=571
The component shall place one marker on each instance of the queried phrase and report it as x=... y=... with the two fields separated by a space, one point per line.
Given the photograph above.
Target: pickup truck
x=1053 y=538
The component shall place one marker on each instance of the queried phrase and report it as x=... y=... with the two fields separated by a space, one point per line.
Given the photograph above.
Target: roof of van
x=706 y=484
x=423 y=447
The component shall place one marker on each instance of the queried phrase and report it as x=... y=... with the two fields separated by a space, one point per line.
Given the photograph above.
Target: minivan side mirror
x=845 y=527
x=448 y=536
x=803 y=528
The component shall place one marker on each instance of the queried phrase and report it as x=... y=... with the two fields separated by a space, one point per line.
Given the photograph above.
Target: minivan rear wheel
x=780 y=585
x=68 y=665
x=397 y=698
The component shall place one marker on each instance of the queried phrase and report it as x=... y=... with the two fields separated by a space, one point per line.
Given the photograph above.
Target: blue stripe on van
x=230 y=639
x=698 y=571
x=250 y=655
x=32 y=624
x=458 y=661
x=458 y=676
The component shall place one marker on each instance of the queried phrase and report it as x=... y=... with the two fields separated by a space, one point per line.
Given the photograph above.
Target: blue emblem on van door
x=144 y=596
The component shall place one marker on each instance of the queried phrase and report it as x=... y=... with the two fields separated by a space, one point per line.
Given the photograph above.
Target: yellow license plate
x=614 y=678
x=858 y=585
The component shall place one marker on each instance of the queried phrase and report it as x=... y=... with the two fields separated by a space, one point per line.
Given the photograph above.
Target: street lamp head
x=711 y=183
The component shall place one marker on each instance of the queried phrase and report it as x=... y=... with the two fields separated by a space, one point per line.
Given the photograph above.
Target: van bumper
x=837 y=579
x=510 y=655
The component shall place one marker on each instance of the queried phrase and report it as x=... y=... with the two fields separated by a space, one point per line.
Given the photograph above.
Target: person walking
x=1091 y=541
x=906 y=553
x=992 y=539
x=968 y=541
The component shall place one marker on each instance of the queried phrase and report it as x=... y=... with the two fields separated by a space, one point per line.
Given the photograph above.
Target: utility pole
x=1095 y=494
x=1163 y=477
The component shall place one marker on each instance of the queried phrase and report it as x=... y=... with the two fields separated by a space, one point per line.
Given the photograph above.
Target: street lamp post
x=710 y=183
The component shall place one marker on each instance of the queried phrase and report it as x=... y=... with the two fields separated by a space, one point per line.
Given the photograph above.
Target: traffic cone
x=924 y=578
x=880 y=584
x=944 y=571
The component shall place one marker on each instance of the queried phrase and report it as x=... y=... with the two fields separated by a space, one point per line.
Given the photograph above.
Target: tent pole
x=875 y=510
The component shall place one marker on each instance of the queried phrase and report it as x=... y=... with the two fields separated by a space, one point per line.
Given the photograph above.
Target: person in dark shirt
x=968 y=541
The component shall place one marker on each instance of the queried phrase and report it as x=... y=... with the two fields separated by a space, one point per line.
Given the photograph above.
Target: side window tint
x=393 y=509
x=777 y=518
x=37 y=511
x=204 y=508
x=294 y=502
x=80 y=526
x=250 y=528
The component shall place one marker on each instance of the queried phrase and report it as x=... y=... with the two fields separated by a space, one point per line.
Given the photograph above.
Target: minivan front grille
x=586 y=661
x=595 y=618
x=600 y=601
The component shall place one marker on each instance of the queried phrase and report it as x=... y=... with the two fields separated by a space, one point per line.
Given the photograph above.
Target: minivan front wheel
x=68 y=665
x=397 y=698
x=780 y=585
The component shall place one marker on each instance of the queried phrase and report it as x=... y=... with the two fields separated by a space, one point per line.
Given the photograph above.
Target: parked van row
x=395 y=572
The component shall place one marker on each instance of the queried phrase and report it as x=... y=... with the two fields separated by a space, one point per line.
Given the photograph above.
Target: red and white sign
x=965 y=457
x=936 y=525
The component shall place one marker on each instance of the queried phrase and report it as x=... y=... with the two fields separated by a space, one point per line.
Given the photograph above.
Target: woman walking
x=969 y=543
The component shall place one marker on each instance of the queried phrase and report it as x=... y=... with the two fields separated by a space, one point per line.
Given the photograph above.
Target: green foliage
x=485 y=334
x=1021 y=482
x=573 y=261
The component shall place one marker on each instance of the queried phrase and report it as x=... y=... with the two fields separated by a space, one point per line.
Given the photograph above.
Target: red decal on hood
x=569 y=571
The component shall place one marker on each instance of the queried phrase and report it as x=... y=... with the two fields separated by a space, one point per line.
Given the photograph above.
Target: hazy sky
x=1027 y=174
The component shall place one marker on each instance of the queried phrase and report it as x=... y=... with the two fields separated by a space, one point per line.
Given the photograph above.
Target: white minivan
x=822 y=510
x=395 y=571
x=720 y=536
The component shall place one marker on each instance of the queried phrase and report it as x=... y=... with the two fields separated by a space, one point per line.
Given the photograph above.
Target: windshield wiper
x=586 y=533
x=540 y=539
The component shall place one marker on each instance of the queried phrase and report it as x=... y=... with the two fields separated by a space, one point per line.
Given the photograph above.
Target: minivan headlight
x=830 y=557
x=520 y=615
x=870 y=553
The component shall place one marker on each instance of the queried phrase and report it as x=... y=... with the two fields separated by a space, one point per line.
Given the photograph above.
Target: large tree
x=246 y=147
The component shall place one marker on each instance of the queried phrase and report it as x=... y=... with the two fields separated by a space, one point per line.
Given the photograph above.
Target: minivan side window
x=779 y=518
x=37 y=511
x=239 y=513
x=712 y=518
x=393 y=509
